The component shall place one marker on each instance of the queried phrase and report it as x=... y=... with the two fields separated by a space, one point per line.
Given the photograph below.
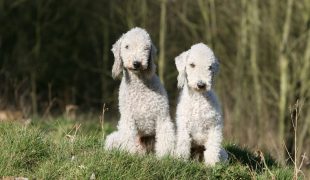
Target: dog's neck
x=139 y=77
x=194 y=93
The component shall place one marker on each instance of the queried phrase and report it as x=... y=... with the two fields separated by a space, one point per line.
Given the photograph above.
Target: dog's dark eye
x=210 y=68
x=192 y=65
x=147 y=48
x=127 y=46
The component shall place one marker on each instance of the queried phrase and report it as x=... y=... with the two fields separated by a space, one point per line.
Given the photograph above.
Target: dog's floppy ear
x=151 y=67
x=117 y=68
x=216 y=66
x=180 y=62
x=153 y=52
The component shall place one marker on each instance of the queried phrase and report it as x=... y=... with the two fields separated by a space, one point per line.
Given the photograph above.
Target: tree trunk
x=284 y=86
x=144 y=13
x=304 y=85
x=36 y=54
x=162 y=38
x=254 y=15
x=241 y=57
x=34 y=93
x=213 y=21
x=105 y=59
x=203 y=7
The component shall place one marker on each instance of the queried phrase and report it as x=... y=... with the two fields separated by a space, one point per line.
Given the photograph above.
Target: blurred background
x=55 y=60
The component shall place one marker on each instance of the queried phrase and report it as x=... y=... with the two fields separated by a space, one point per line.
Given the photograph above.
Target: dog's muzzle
x=201 y=85
x=136 y=65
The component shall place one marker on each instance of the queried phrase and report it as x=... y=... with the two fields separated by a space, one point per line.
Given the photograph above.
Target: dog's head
x=135 y=52
x=197 y=68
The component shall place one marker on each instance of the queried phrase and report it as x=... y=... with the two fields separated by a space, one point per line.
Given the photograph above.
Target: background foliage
x=55 y=53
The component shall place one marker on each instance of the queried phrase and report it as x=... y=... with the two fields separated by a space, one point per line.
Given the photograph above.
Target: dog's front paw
x=112 y=141
x=211 y=158
x=161 y=154
x=182 y=153
x=164 y=151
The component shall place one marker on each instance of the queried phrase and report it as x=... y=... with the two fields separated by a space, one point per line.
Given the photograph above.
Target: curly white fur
x=143 y=101
x=199 y=117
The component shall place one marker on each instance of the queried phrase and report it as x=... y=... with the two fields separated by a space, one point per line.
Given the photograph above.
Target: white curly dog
x=199 y=117
x=143 y=101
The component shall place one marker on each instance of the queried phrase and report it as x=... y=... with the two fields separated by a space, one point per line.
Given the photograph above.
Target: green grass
x=43 y=151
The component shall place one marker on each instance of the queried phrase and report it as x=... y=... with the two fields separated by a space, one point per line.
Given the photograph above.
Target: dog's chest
x=143 y=105
x=144 y=118
x=201 y=110
x=201 y=115
x=143 y=100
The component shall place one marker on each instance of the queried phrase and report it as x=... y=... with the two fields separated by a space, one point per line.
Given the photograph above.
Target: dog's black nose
x=201 y=85
x=136 y=64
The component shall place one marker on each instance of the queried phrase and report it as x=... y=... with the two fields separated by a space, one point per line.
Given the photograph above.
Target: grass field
x=64 y=149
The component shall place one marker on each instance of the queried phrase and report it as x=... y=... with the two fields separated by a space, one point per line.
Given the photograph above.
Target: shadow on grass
x=255 y=161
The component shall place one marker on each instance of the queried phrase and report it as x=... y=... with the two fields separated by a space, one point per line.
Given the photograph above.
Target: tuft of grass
x=21 y=149
x=247 y=158
x=43 y=151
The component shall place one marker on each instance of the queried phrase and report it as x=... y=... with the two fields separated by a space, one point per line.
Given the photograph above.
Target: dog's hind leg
x=129 y=137
x=113 y=141
x=165 y=137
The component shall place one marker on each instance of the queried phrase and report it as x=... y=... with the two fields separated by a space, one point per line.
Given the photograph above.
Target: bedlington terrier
x=143 y=101
x=198 y=116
